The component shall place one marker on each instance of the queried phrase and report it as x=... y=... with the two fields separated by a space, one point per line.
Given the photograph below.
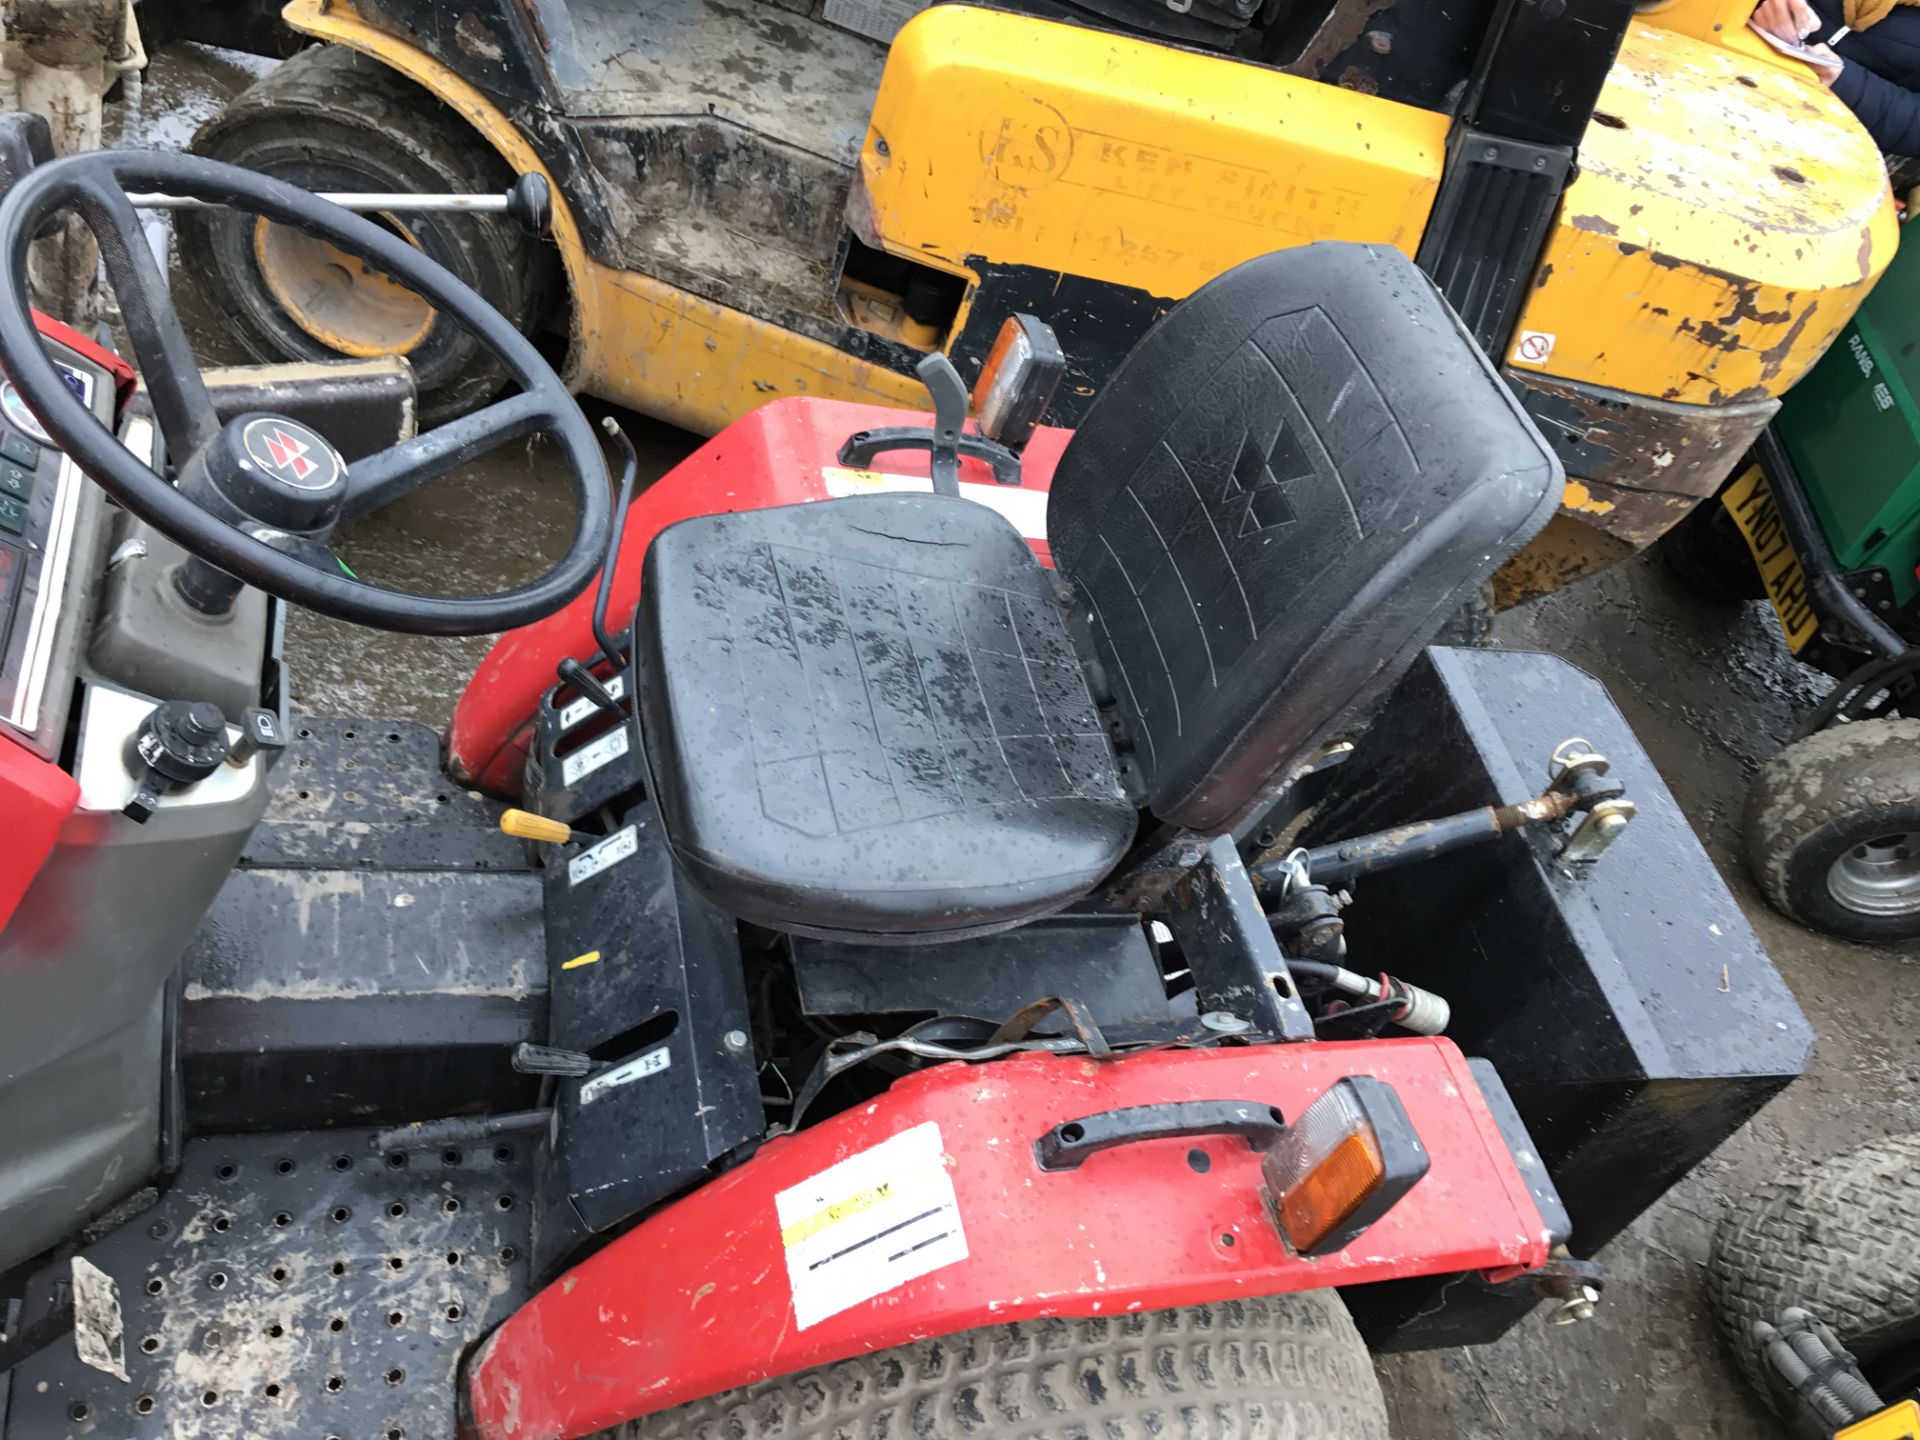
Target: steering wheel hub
x=267 y=470
x=291 y=455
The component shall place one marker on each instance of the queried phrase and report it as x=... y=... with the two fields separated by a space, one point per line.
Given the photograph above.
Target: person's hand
x=1788 y=19
x=1826 y=64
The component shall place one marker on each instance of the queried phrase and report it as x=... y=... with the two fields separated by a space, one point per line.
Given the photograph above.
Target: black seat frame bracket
x=1238 y=967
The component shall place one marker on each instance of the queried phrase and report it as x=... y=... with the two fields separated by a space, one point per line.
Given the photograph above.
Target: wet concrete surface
x=1708 y=686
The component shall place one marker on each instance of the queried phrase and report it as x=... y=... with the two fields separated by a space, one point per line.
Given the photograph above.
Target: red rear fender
x=925 y=1212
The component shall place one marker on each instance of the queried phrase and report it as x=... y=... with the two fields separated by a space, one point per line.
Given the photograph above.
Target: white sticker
x=1026 y=509
x=869 y=1225
x=610 y=851
x=638 y=1068
x=1534 y=347
x=589 y=758
x=573 y=714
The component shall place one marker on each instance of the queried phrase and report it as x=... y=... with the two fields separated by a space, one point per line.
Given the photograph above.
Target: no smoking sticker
x=1534 y=347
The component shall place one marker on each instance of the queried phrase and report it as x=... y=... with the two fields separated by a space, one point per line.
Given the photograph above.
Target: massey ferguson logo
x=291 y=453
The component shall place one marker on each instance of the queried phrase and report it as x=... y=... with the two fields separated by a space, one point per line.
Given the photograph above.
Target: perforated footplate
x=297 y=1285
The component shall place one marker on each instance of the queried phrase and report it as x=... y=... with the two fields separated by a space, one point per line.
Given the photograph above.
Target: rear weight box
x=1627 y=1005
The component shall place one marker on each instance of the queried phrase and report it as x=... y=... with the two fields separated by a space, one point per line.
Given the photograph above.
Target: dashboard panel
x=49 y=531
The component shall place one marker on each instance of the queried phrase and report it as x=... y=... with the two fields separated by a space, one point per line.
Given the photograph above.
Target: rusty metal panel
x=1635 y=466
x=1726 y=220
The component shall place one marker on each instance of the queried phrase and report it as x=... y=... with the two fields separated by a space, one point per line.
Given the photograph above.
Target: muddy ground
x=1707 y=684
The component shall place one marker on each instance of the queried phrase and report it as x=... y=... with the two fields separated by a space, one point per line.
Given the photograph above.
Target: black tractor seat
x=865 y=717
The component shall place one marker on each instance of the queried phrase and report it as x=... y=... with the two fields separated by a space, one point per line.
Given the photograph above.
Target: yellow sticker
x=870 y=1223
x=1751 y=504
x=1900 y=1421
x=840 y=1209
x=1025 y=509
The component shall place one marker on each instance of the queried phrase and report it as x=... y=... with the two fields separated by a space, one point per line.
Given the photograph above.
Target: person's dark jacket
x=1881 y=80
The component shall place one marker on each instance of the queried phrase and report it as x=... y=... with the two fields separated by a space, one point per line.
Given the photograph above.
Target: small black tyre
x=332 y=119
x=1833 y=830
x=1291 y=1367
x=1841 y=1238
x=1705 y=550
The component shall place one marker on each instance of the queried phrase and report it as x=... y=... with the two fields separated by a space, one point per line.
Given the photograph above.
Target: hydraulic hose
x=1421 y=1011
x=1808 y=1356
x=1820 y=1348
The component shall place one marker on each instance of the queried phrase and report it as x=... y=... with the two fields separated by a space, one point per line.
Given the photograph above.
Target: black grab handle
x=1069 y=1143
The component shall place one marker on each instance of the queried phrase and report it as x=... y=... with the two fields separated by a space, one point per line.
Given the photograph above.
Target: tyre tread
x=330 y=96
x=1823 y=781
x=1841 y=1238
x=1286 y=1367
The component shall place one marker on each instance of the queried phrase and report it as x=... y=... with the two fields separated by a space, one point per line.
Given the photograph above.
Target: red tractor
x=969 y=953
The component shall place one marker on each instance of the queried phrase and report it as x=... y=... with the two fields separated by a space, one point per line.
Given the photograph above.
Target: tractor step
x=378 y=953
x=302 y=1285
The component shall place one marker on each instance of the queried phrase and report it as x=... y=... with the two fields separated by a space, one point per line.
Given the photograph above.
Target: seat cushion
x=865 y=716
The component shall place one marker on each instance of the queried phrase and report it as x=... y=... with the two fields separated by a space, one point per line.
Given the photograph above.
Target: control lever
x=260 y=734
x=588 y=684
x=179 y=744
x=528 y=202
x=531 y=1059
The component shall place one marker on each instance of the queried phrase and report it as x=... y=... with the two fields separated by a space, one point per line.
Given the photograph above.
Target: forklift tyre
x=1840 y=1238
x=1284 y=1365
x=1833 y=830
x=1706 y=553
x=332 y=119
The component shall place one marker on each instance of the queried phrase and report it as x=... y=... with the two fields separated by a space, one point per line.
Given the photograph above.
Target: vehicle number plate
x=1751 y=504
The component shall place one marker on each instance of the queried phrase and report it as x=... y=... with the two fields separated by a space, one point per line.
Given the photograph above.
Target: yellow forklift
x=1652 y=221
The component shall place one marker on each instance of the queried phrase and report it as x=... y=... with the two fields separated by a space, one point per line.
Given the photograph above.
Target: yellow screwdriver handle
x=525 y=825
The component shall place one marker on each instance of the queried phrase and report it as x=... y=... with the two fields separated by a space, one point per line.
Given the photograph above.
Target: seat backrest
x=1289 y=486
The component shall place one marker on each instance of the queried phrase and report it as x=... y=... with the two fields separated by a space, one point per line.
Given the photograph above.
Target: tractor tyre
x=332 y=119
x=1706 y=552
x=1841 y=1238
x=1833 y=830
x=1288 y=1366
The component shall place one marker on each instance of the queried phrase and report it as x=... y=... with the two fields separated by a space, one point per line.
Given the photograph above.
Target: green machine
x=1825 y=523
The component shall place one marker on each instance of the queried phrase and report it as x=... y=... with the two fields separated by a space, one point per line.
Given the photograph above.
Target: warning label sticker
x=869 y=1225
x=621 y=845
x=614 y=685
x=1534 y=347
x=1026 y=509
x=589 y=758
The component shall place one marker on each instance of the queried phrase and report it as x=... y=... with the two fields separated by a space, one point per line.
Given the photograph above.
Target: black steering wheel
x=96 y=187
